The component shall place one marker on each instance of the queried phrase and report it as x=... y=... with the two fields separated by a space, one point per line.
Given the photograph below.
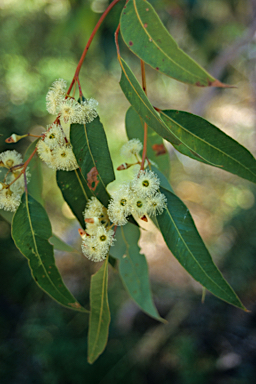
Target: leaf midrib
x=37 y=253
x=81 y=184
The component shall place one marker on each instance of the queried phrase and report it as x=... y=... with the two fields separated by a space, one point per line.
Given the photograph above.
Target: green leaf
x=91 y=151
x=136 y=96
x=190 y=134
x=31 y=230
x=99 y=314
x=60 y=245
x=75 y=192
x=133 y=268
x=35 y=185
x=155 y=145
x=210 y=143
x=182 y=238
x=146 y=36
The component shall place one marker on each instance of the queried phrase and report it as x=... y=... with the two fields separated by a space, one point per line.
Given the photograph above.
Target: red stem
x=89 y=43
x=116 y=41
x=144 y=153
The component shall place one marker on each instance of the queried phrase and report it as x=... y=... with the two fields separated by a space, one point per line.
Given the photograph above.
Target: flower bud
x=124 y=166
x=82 y=233
x=14 y=138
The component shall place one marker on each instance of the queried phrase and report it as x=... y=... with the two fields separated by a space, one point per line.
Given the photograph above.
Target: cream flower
x=9 y=201
x=54 y=137
x=133 y=147
x=146 y=184
x=92 y=250
x=45 y=153
x=9 y=159
x=156 y=204
x=70 y=111
x=139 y=206
x=64 y=158
x=94 y=208
x=120 y=205
x=104 y=237
x=55 y=96
x=89 y=113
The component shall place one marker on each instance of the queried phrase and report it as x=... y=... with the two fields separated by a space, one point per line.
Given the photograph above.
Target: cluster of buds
x=12 y=184
x=69 y=110
x=55 y=149
x=98 y=236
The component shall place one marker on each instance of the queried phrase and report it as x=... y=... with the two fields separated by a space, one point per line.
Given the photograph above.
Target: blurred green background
x=209 y=343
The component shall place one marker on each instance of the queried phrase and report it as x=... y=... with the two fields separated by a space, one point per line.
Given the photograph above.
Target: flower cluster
x=98 y=237
x=139 y=198
x=69 y=110
x=12 y=186
x=55 y=149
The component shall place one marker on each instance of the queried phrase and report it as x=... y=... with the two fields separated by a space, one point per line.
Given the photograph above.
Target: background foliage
x=42 y=342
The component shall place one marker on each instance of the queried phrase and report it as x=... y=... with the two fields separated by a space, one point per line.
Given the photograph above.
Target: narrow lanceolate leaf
x=92 y=154
x=182 y=238
x=75 y=192
x=190 y=134
x=136 y=96
x=35 y=185
x=99 y=314
x=210 y=143
x=146 y=36
x=156 y=150
x=31 y=230
x=133 y=268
